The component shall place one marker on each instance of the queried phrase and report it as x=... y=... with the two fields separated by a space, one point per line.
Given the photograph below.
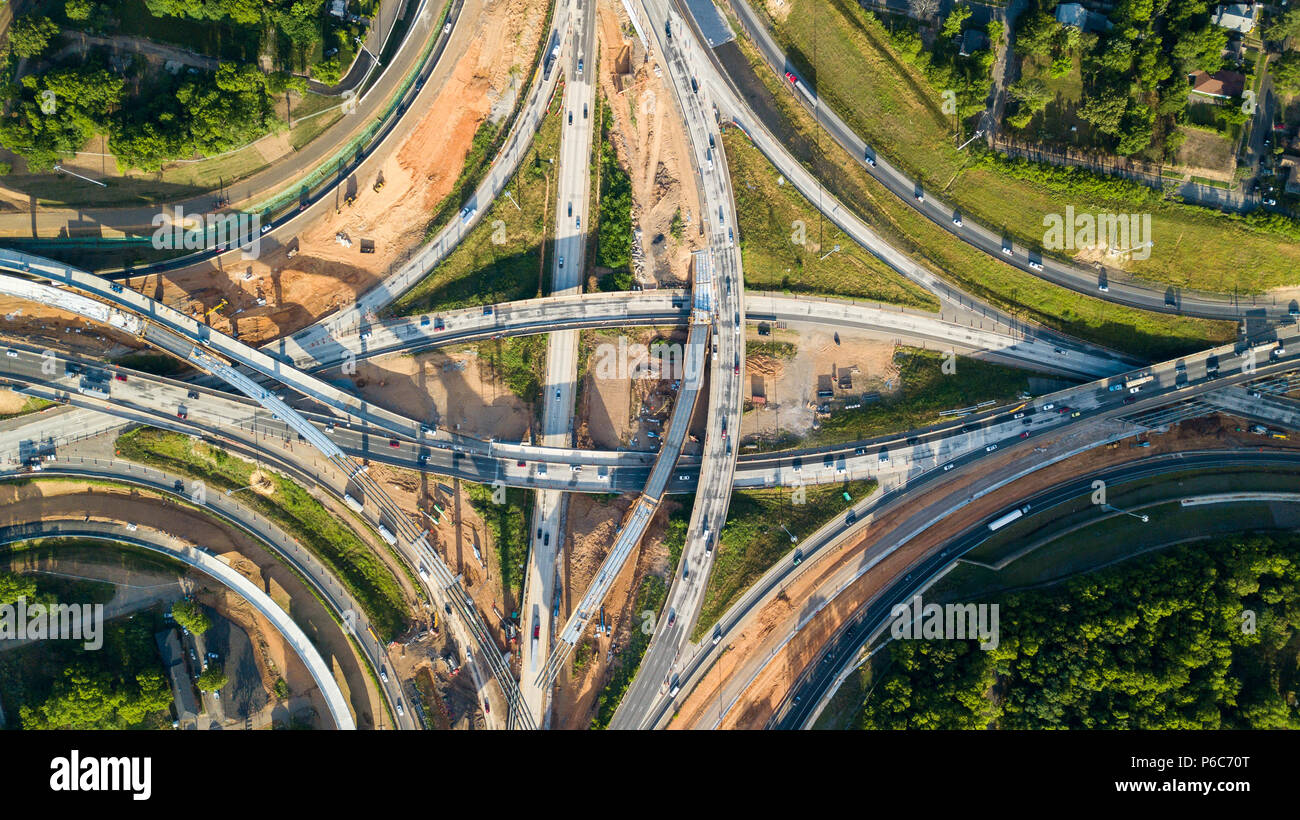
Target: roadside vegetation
x=31 y=404
x=755 y=537
x=1089 y=654
x=924 y=391
x=519 y=362
x=509 y=525
x=366 y=577
x=651 y=596
x=614 y=223
x=1152 y=335
x=502 y=259
x=787 y=246
x=874 y=75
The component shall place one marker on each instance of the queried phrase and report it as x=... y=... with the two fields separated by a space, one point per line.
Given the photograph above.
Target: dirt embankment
x=455 y=389
x=773 y=622
x=277 y=293
x=590 y=527
x=651 y=142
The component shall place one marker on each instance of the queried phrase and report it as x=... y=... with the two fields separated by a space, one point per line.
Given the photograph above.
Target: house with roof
x=971 y=41
x=1074 y=15
x=1221 y=85
x=1238 y=17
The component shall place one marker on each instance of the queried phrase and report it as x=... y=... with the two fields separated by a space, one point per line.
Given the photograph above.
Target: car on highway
x=1025 y=434
x=182 y=413
x=570 y=123
x=579 y=67
x=674 y=687
x=796 y=465
x=672 y=617
x=920 y=195
x=383 y=674
x=1103 y=287
x=1049 y=406
x=990 y=448
x=400 y=710
x=956 y=218
x=584 y=111
x=1076 y=414
x=948 y=467
x=392 y=442
x=789 y=75
x=717 y=635
x=1115 y=388
x=557 y=394
x=724 y=428
x=561 y=261
x=11 y=353
x=798 y=557
x=1130 y=399
x=120 y=376
x=570 y=209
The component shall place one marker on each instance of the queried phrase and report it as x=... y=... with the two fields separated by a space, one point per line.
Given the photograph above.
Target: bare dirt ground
x=451 y=387
x=449 y=698
x=61 y=499
x=324 y=274
x=590 y=527
x=788 y=386
x=649 y=139
x=615 y=411
x=36 y=324
x=11 y=402
x=774 y=621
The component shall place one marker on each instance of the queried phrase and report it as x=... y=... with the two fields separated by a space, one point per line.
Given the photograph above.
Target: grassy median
x=755 y=537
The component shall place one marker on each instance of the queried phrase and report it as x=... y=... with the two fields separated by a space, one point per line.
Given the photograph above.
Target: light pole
x=1143 y=517
x=828 y=253
x=793 y=540
x=1121 y=251
x=362 y=46
x=79 y=176
x=979 y=132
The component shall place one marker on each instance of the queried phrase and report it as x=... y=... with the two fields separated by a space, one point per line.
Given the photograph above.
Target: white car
x=383 y=674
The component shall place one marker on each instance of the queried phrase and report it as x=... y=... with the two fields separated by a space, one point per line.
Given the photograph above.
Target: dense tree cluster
x=1162 y=643
x=55 y=113
x=614 y=236
x=967 y=77
x=87 y=699
x=1134 y=75
x=191 y=616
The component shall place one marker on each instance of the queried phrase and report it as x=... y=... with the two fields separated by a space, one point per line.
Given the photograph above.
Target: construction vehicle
x=379 y=183
x=214 y=309
x=352 y=198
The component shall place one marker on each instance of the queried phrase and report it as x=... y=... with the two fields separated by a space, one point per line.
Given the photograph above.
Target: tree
x=1037 y=33
x=189 y=615
x=923 y=9
x=13 y=587
x=1281 y=26
x=956 y=18
x=212 y=679
x=1286 y=72
x=30 y=35
x=1032 y=93
x=77 y=9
